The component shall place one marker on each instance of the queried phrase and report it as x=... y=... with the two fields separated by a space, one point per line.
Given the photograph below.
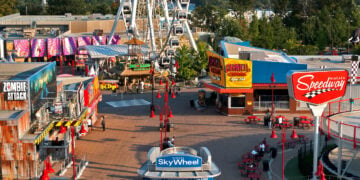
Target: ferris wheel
x=171 y=25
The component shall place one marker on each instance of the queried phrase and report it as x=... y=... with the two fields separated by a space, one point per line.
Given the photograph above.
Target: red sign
x=317 y=87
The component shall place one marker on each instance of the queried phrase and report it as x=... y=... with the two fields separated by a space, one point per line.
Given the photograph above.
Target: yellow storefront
x=232 y=81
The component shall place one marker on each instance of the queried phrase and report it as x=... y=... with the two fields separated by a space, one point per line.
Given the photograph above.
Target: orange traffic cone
x=152 y=115
x=170 y=114
x=273 y=134
x=48 y=167
x=82 y=130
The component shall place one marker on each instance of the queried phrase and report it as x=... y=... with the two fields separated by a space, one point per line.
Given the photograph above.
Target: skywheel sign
x=178 y=163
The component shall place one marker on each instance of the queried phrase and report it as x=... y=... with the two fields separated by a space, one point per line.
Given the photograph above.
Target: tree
x=7 y=7
x=241 y=6
x=31 y=7
x=281 y=7
x=200 y=57
x=208 y=17
x=56 y=7
x=185 y=60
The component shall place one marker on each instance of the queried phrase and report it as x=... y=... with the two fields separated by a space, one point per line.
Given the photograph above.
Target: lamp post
x=29 y=165
x=272 y=94
x=283 y=135
x=164 y=111
x=73 y=149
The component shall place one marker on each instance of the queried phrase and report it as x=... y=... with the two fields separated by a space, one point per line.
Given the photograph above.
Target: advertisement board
x=178 y=163
x=238 y=73
x=42 y=86
x=14 y=90
x=317 y=87
x=216 y=68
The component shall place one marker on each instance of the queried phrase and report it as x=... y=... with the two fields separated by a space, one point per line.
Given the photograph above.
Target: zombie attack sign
x=14 y=90
x=317 y=87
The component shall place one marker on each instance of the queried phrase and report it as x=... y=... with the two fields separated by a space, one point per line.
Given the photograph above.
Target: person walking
x=103 y=122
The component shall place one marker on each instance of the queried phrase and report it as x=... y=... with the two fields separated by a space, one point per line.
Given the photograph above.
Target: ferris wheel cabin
x=170 y=52
x=178 y=30
x=174 y=43
x=182 y=15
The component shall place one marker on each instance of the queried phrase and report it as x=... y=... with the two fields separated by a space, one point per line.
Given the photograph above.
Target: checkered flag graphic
x=314 y=93
x=354 y=70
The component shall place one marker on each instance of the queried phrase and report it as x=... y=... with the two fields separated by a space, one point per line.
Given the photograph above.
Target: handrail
x=337 y=107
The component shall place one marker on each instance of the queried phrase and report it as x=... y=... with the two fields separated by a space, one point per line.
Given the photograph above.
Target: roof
x=134 y=41
x=10 y=115
x=72 y=80
x=105 y=51
x=19 y=71
x=231 y=50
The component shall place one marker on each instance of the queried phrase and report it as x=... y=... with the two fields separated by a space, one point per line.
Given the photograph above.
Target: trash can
x=266 y=166
x=273 y=152
x=296 y=121
x=266 y=120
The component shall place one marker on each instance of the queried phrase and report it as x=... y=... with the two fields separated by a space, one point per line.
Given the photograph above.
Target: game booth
x=179 y=163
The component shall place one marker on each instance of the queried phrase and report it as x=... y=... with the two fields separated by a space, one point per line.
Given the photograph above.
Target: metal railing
x=258 y=105
x=332 y=127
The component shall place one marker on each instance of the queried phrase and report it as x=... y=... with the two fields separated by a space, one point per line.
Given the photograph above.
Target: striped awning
x=39 y=138
x=42 y=135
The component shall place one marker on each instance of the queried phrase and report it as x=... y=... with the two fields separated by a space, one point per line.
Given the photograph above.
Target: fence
x=332 y=127
x=265 y=102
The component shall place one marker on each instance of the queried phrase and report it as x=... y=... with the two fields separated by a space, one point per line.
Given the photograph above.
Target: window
x=238 y=101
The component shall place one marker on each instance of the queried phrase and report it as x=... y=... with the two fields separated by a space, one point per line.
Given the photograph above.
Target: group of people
x=260 y=150
x=168 y=143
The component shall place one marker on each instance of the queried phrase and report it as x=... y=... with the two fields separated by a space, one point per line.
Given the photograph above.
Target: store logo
x=215 y=65
x=15 y=91
x=178 y=161
x=237 y=69
x=317 y=87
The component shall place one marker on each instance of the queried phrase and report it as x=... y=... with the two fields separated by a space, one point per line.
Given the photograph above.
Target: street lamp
x=272 y=94
x=29 y=164
x=283 y=135
x=165 y=110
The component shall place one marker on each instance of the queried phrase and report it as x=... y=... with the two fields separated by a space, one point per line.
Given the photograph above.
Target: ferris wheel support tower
x=193 y=44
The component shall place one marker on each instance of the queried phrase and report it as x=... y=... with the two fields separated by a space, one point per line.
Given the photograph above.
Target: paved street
x=120 y=150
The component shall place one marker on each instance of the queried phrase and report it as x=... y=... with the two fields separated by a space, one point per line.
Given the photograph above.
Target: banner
x=38 y=47
x=69 y=45
x=98 y=40
x=84 y=41
x=216 y=68
x=53 y=47
x=114 y=40
x=22 y=47
x=238 y=73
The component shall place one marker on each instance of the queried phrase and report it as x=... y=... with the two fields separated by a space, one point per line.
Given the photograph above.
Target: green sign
x=135 y=66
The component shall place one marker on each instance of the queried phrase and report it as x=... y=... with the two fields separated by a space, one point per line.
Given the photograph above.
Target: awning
x=105 y=51
x=222 y=90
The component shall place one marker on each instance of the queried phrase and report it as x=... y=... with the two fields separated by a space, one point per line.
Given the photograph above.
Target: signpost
x=316 y=88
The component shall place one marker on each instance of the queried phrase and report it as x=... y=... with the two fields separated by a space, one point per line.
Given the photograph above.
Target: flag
x=53 y=47
x=354 y=71
x=69 y=45
x=115 y=39
x=22 y=47
x=272 y=78
x=98 y=40
x=84 y=41
x=38 y=47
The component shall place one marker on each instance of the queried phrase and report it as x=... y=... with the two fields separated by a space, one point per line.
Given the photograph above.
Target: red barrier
x=340 y=110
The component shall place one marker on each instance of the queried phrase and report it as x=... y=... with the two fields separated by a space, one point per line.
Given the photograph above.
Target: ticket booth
x=179 y=163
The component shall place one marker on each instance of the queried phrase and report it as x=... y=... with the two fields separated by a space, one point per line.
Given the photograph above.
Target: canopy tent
x=105 y=51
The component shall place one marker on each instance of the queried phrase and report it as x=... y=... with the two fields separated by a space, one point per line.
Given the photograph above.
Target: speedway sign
x=178 y=163
x=317 y=87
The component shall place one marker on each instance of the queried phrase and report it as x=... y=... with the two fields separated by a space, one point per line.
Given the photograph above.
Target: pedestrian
x=141 y=86
x=103 y=122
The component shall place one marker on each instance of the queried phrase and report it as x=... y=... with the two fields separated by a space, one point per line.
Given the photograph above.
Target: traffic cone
x=170 y=114
x=294 y=135
x=62 y=129
x=273 y=134
x=48 y=167
x=152 y=115
x=82 y=130
x=173 y=95
x=161 y=82
x=158 y=95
